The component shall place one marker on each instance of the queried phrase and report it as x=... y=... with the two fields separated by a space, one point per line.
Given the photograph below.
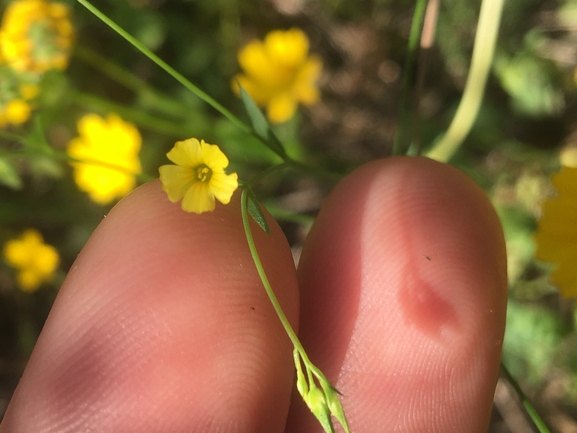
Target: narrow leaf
x=260 y=125
x=255 y=212
x=9 y=176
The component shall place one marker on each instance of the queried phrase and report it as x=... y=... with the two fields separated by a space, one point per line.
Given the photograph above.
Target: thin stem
x=167 y=68
x=316 y=171
x=427 y=40
x=110 y=69
x=483 y=51
x=403 y=133
x=10 y=136
x=139 y=117
x=527 y=404
x=126 y=78
x=63 y=156
x=266 y=172
x=258 y=264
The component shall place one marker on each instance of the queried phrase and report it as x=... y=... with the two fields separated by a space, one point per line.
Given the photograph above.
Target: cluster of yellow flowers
x=35 y=36
x=279 y=73
x=15 y=97
x=34 y=261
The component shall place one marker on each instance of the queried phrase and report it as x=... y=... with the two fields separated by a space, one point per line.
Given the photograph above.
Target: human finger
x=163 y=325
x=403 y=299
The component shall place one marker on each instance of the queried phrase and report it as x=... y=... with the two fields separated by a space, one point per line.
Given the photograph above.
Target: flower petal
x=176 y=180
x=556 y=237
x=223 y=186
x=281 y=108
x=198 y=198
x=213 y=157
x=305 y=88
x=289 y=48
x=254 y=61
x=186 y=153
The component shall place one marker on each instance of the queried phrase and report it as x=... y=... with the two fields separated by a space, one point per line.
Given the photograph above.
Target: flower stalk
x=323 y=401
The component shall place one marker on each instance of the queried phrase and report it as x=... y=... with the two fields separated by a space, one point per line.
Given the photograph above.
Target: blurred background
x=526 y=129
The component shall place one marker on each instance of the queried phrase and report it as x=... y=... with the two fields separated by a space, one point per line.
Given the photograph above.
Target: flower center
x=203 y=173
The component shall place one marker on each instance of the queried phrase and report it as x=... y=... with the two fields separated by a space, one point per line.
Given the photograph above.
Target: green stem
x=167 y=68
x=141 y=118
x=266 y=173
x=63 y=156
x=483 y=51
x=160 y=101
x=110 y=69
x=284 y=215
x=10 y=136
x=315 y=171
x=143 y=177
x=262 y=274
x=527 y=404
x=403 y=133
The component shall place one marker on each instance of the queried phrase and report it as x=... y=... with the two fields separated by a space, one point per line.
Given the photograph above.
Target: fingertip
x=163 y=325
x=403 y=282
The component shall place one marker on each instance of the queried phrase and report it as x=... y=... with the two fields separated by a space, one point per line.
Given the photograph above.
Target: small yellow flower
x=15 y=112
x=34 y=260
x=556 y=236
x=198 y=176
x=108 y=151
x=279 y=73
x=36 y=35
x=15 y=96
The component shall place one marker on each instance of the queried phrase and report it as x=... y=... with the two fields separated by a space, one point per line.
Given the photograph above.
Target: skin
x=163 y=326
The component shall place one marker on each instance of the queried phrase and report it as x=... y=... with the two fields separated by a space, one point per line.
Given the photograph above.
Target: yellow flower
x=15 y=96
x=36 y=35
x=199 y=177
x=15 y=112
x=34 y=260
x=108 y=151
x=556 y=236
x=279 y=73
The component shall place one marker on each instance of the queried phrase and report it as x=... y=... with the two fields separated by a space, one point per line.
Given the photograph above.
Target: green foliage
x=260 y=125
x=9 y=175
x=531 y=341
x=532 y=83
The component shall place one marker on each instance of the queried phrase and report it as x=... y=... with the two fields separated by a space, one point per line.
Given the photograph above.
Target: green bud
x=302 y=384
x=317 y=403
x=336 y=408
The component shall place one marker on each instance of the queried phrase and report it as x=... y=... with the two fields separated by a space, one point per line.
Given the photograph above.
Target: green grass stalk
x=403 y=134
x=483 y=52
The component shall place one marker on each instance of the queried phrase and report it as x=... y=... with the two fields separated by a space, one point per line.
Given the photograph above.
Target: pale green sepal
x=260 y=125
x=9 y=176
x=335 y=405
x=316 y=401
x=302 y=384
